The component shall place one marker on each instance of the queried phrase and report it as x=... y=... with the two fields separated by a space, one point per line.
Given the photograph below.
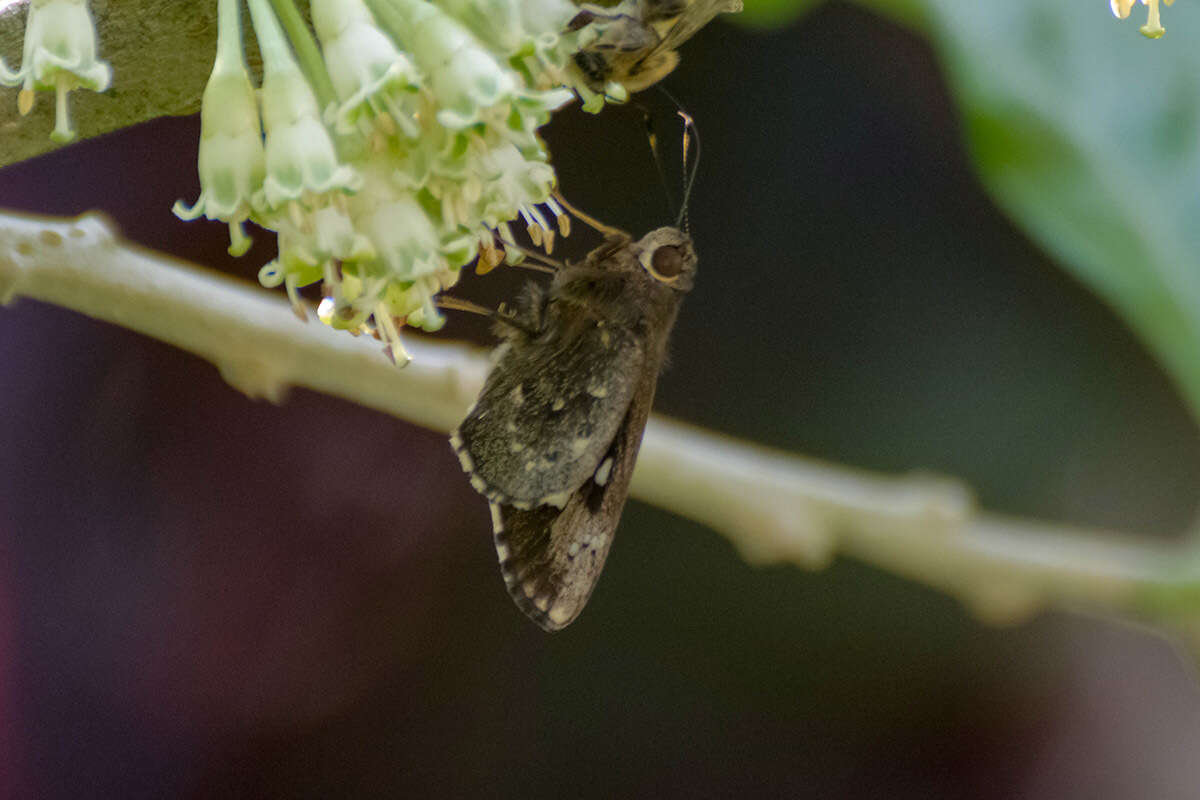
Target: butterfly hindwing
x=551 y=559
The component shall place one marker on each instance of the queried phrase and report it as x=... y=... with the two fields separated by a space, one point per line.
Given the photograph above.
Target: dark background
x=202 y=595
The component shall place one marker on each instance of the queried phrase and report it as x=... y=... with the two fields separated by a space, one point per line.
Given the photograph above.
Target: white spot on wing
x=598 y=391
x=497 y=520
x=604 y=471
x=560 y=614
x=578 y=445
x=516 y=395
x=573 y=550
x=502 y=551
x=479 y=484
x=464 y=458
x=558 y=404
x=558 y=499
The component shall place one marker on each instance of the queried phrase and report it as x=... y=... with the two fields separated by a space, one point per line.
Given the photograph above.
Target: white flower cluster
x=59 y=55
x=389 y=157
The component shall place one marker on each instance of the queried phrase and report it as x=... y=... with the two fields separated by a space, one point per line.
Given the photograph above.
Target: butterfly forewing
x=549 y=411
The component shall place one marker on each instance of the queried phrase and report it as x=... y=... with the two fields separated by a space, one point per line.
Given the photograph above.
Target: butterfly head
x=668 y=256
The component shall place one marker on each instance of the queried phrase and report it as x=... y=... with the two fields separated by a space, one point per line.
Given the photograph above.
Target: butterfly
x=552 y=440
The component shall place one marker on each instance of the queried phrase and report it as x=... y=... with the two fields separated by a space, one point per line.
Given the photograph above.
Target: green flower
x=59 y=54
x=376 y=84
x=405 y=239
x=231 y=162
x=302 y=163
x=436 y=110
x=466 y=79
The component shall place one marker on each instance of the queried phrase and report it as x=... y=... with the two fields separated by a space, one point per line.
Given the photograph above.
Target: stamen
x=296 y=214
x=390 y=336
x=62 y=116
x=490 y=256
x=560 y=217
x=297 y=301
x=531 y=226
x=547 y=232
x=239 y=242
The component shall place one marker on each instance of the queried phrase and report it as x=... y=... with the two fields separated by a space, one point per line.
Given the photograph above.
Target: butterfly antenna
x=652 y=139
x=690 y=133
x=587 y=219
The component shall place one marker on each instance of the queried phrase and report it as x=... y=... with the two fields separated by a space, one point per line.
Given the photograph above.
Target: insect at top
x=553 y=437
x=634 y=42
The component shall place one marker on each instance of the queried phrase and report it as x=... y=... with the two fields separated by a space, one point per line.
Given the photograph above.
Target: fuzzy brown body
x=553 y=438
x=635 y=41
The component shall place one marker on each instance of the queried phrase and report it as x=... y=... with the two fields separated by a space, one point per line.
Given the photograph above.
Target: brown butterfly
x=554 y=435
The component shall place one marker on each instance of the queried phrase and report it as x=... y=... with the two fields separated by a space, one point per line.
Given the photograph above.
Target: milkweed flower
x=59 y=54
x=232 y=163
x=399 y=146
x=302 y=164
x=1153 y=28
x=376 y=84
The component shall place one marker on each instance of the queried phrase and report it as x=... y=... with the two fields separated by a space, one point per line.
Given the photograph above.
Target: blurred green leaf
x=1087 y=134
x=772 y=13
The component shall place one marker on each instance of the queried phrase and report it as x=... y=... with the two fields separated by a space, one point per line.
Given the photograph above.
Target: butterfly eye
x=667 y=261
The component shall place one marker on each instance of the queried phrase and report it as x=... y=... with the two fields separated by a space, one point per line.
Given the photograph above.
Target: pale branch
x=773 y=506
x=161 y=52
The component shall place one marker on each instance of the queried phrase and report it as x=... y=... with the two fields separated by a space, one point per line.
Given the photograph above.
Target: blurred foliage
x=773 y=13
x=1086 y=134
x=777 y=13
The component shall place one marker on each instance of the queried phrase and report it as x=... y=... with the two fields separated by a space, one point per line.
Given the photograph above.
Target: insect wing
x=551 y=559
x=698 y=14
x=548 y=413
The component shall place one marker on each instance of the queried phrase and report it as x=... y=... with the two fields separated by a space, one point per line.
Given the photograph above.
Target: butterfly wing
x=548 y=413
x=551 y=559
